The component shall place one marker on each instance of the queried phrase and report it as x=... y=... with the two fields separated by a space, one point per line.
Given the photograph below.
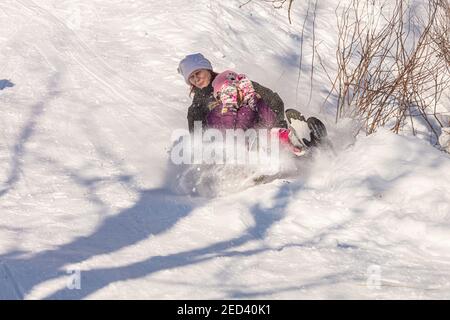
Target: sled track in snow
x=94 y=65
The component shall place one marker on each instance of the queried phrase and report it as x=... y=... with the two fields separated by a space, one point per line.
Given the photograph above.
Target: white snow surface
x=90 y=100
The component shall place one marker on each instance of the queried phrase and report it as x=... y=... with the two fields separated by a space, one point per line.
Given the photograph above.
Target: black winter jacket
x=203 y=97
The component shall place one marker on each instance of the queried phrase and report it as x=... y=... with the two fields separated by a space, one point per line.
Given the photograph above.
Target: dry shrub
x=393 y=65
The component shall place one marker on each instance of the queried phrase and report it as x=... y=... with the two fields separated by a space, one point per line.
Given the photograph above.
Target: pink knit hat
x=223 y=78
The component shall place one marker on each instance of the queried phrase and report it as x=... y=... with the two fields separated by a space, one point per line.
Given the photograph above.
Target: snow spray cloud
x=232 y=146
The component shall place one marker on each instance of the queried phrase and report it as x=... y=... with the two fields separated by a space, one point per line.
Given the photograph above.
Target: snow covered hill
x=89 y=97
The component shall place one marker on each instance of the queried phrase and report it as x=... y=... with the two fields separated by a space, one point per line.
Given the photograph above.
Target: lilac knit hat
x=191 y=63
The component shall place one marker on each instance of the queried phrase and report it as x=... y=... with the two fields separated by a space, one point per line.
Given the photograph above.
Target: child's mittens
x=247 y=91
x=234 y=90
x=226 y=91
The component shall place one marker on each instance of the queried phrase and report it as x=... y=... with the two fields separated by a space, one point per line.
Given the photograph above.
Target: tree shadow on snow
x=27 y=131
x=5 y=84
x=264 y=218
x=155 y=211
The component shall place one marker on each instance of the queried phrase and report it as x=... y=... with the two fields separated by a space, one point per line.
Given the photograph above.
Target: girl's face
x=200 y=78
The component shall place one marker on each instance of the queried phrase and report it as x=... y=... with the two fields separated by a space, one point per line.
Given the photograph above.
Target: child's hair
x=213 y=76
